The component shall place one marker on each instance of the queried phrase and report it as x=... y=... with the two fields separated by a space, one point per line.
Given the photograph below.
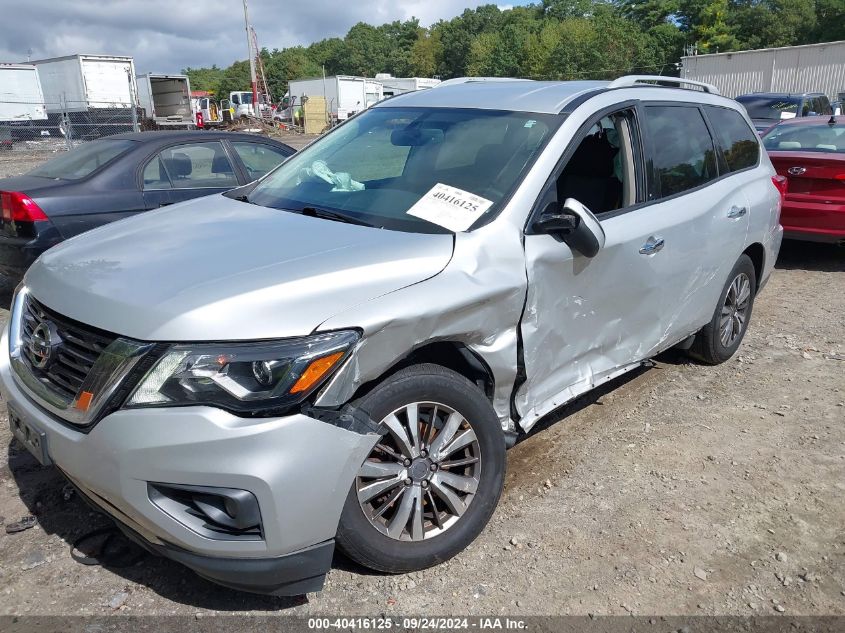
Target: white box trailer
x=399 y=85
x=89 y=95
x=165 y=100
x=345 y=95
x=21 y=98
x=87 y=82
x=808 y=68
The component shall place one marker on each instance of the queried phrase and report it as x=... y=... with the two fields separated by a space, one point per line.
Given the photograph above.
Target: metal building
x=809 y=68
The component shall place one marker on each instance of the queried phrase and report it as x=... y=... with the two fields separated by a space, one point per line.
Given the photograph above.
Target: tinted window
x=738 y=141
x=770 y=107
x=682 y=150
x=194 y=165
x=806 y=138
x=259 y=158
x=82 y=161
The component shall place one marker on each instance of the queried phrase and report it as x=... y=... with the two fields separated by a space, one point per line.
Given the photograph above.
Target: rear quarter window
x=736 y=139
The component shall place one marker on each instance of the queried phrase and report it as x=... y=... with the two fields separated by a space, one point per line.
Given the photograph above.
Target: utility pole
x=252 y=56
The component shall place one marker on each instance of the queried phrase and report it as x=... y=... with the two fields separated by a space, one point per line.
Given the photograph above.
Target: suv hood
x=218 y=269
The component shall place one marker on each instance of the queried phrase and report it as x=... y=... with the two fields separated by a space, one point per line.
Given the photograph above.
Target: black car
x=768 y=108
x=113 y=178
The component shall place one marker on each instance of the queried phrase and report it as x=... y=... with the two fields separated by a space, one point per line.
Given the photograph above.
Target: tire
x=710 y=345
x=443 y=531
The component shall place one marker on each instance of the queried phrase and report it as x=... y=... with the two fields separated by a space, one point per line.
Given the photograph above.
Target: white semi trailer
x=790 y=69
x=165 y=100
x=398 y=85
x=345 y=95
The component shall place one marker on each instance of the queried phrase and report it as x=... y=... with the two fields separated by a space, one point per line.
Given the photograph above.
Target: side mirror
x=574 y=224
x=553 y=221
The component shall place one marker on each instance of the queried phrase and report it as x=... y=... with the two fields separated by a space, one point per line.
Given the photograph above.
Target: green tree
x=830 y=22
x=204 y=78
x=329 y=53
x=424 y=54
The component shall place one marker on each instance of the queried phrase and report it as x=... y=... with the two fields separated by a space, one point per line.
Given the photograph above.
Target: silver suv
x=342 y=351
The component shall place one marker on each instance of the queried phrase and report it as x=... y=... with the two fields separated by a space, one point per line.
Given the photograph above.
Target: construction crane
x=256 y=66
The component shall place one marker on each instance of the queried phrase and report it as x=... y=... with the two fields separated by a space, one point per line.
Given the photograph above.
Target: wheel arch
x=453 y=355
x=757 y=253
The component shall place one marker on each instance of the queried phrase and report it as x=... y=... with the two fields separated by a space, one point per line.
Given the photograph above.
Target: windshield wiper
x=327 y=214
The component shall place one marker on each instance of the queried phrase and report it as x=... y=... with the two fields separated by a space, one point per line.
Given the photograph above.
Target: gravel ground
x=680 y=489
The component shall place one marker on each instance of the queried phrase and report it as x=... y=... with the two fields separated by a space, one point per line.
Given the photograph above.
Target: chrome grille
x=80 y=348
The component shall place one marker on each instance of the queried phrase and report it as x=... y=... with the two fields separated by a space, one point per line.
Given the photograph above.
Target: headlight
x=246 y=378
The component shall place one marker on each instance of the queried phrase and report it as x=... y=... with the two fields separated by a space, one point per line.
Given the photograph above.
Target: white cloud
x=165 y=36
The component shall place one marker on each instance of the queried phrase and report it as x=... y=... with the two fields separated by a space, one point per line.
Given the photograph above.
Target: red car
x=810 y=152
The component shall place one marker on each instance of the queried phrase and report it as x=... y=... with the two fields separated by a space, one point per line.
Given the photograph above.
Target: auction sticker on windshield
x=450 y=207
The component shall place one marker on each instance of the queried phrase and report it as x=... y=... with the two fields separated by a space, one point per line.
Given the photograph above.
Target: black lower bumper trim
x=294 y=574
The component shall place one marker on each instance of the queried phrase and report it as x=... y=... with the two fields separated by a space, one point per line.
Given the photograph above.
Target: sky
x=165 y=36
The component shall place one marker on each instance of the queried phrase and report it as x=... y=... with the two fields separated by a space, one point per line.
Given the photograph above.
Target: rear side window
x=738 y=141
x=683 y=155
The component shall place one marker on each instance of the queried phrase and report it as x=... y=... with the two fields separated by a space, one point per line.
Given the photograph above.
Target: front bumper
x=298 y=468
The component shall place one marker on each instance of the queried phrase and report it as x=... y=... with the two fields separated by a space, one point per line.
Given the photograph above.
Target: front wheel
x=431 y=483
x=717 y=341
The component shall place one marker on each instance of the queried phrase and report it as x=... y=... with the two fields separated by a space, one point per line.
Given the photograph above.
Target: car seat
x=589 y=175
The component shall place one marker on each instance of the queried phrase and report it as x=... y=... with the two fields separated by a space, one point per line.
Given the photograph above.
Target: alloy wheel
x=735 y=310
x=422 y=475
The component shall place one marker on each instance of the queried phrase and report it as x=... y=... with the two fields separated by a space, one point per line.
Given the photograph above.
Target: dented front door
x=587 y=317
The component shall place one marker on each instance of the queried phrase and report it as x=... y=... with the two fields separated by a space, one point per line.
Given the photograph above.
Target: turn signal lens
x=316 y=370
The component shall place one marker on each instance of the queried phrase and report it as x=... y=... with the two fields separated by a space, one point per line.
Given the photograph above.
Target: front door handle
x=737 y=212
x=653 y=245
x=164 y=204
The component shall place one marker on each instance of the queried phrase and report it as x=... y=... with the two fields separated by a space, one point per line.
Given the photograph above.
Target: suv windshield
x=770 y=107
x=83 y=160
x=373 y=169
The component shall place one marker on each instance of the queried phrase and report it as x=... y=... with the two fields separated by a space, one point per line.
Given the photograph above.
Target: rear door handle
x=737 y=212
x=653 y=245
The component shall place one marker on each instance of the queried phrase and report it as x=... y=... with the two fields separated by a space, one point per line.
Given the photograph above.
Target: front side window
x=380 y=164
x=739 y=143
x=600 y=174
x=683 y=156
x=189 y=166
x=84 y=160
x=259 y=158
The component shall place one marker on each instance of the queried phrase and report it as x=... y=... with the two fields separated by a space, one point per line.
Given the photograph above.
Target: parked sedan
x=109 y=179
x=811 y=154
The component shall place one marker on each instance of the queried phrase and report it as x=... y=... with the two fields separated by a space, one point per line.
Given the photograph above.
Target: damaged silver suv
x=342 y=351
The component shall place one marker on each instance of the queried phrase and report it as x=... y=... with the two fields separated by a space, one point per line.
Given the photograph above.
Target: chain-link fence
x=27 y=126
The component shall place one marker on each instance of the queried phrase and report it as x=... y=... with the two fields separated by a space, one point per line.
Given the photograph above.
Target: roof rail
x=467 y=80
x=633 y=80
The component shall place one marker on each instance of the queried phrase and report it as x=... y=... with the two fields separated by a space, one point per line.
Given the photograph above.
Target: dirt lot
x=682 y=489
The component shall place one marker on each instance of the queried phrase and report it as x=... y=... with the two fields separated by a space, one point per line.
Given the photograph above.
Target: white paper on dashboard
x=450 y=207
